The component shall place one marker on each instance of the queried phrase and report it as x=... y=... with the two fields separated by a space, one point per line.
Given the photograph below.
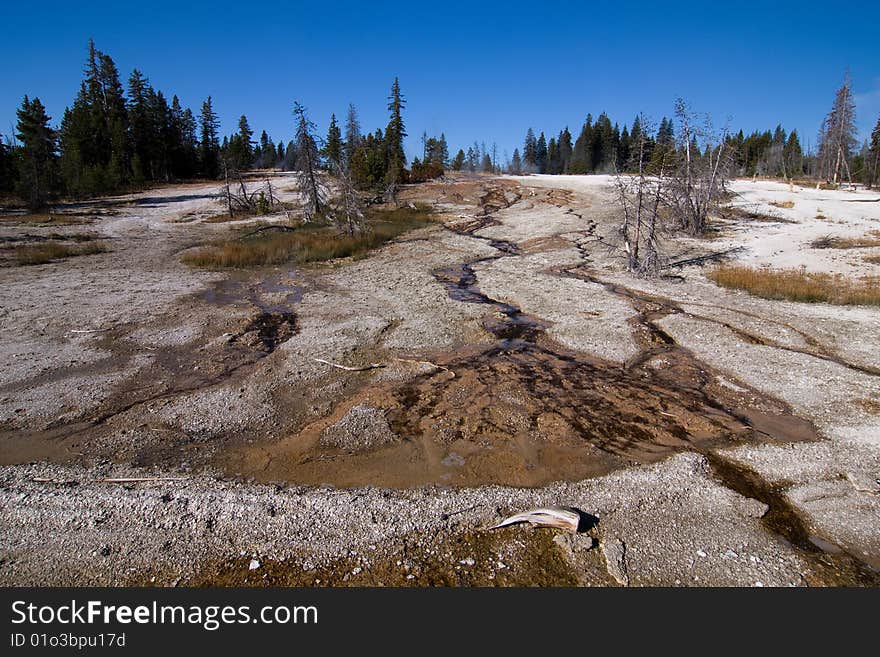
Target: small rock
x=574 y=542
x=254 y=564
x=702 y=554
x=614 y=551
x=356 y=571
x=467 y=562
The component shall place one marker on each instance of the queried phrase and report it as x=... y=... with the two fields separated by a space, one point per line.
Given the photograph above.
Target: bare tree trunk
x=228 y=193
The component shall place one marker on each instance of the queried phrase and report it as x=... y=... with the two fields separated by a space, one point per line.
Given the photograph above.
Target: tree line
x=113 y=138
x=603 y=147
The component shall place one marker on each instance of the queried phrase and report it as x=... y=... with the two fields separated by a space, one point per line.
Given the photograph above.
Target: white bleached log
x=554 y=516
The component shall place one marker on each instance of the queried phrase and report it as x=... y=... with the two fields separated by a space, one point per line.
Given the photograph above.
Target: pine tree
x=541 y=154
x=604 y=147
x=163 y=145
x=553 y=163
x=94 y=131
x=310 y=185
x=8 y=173
x=209 y=147
x=394 y=134
x=471 y=159
x=515 y=163
x=623 y=151
x=242 y=150
x=264 y=152
x=530 y=152
x=581 y=157
x=141 y=127
x=288 y=159
x=36 y=154
x=333 y=146
x=565 y=150
x=486 y=164
x=872 y=163
x=352 y=132
x=793 y=156
x=111 y=105
x=190 y=144
x=444 y=151
x=458 y=161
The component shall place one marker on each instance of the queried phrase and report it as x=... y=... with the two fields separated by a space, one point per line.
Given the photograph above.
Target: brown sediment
x=525 y=411
x=460 y=558
x=174 y=371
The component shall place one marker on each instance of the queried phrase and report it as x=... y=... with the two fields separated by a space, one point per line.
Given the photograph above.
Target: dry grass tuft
x=873 y=259
x=798 y=285
x=829 y=242
x=788 y=205
x=273 y=244
x=44 y=219
x=38 y=254
x=752 y=214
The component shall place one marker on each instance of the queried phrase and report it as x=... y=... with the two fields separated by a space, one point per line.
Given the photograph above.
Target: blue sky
x=477 y=71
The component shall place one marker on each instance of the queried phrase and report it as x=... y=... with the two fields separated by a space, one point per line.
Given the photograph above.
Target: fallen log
x=554 y=516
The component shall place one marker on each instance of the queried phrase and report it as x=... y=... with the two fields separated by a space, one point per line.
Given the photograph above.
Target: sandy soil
x=712 y=437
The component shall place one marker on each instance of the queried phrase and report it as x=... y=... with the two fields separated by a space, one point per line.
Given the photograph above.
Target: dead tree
x=640 y=196
x=228 y=193
x=837 y=139
x=312 y=189
x=349 y=212
x=261 y=200
x=696 y=183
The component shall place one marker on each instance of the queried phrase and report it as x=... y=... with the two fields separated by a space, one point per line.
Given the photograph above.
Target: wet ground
x=501 y=347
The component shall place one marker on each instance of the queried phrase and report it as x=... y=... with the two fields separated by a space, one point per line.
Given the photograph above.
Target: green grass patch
x=798 y=285
x=269 y=244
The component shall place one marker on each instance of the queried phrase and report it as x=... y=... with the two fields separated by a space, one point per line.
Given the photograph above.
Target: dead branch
x=371 y=366
x=426 y=362
x=374 y=366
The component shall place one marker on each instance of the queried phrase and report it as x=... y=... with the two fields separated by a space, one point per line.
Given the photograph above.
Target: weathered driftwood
x=554 y=516
x=374 y=366
x=371 y=366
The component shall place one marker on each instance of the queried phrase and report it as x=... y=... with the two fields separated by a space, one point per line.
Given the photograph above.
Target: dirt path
x=513 y=353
